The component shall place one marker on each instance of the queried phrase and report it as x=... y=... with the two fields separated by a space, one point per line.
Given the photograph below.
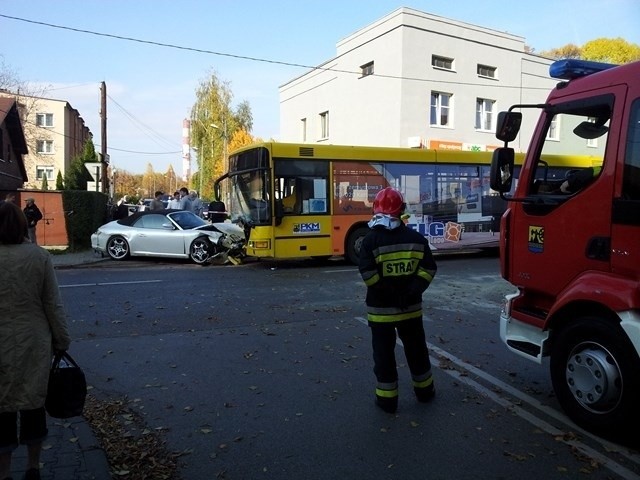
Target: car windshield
x=187 y=220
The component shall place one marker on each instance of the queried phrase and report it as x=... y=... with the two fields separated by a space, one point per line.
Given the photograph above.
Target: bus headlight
x=260 y=244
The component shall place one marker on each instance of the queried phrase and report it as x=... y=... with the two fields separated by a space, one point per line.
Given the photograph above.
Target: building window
x=367 y=69
x=440 y=109
x=484 y=114
x=324 y=125
x=303 y=129
x=44 y=119
x=592 y=142
x=442 y=62
x=553 y=132
x=486 y=71
x=44 y=146
x=44 y=171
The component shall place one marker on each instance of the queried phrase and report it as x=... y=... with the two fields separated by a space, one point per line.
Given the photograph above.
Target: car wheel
x=593 y=371
x=354 y=243
x=201 y=250
x=118 y=248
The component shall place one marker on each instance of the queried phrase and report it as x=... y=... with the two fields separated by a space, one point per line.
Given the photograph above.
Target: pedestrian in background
x=156 y=203
x=397 y=266
x=10 y=197
x=122 y=208
x=196 y=203
x=34 y=215
x=174 y=203
x=32 y=327
x=185 y=200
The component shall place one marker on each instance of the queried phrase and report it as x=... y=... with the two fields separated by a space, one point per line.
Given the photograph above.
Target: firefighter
x=397 y=266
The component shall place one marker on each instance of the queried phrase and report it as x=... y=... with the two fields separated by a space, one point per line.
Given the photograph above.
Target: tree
x=45 y=183
x=126 y=183
x=240 y=139
x=59 y=181
x=149 y=181
x=213 y=124
x=609 y=50
x=568 y=51
x=170 y=181
x=78 y=176
x=8 y=77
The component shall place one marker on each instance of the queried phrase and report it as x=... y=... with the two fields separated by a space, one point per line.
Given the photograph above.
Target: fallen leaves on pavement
x=134 y=451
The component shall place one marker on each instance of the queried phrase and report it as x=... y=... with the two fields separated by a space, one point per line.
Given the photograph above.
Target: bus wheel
x=593 y=371
x=354 y=242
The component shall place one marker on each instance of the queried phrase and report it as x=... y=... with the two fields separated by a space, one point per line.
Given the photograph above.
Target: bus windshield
x=245 y=189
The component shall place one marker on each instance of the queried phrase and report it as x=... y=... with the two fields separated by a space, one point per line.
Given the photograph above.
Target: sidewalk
x=71 y=451
x=65 y=260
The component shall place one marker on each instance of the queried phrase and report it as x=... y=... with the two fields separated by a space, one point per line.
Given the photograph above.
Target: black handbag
x=67 y=389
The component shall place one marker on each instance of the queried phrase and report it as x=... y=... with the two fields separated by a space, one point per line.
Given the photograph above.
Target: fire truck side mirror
x=508 y=126
x=501 y=174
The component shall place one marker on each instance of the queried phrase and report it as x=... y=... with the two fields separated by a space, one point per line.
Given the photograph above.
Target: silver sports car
x=169 y=234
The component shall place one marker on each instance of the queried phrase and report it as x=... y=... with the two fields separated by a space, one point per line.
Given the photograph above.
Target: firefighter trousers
x=383 y=339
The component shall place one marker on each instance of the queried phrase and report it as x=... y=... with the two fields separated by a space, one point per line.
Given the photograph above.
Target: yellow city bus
x=302 y=200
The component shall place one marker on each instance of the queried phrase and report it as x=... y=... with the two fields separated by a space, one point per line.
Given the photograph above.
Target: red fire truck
x=571 y=245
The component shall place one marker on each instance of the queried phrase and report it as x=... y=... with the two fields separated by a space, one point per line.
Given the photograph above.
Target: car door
x=155 y=235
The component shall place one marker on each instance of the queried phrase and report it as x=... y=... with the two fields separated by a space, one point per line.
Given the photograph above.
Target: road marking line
x=102 y=284
x=538 y=422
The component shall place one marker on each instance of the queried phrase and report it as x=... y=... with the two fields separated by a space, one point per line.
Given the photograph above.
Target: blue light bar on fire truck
x=570 y=69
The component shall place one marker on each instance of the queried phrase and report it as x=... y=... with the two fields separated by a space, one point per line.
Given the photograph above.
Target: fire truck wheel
x=354 y=242
x=593 y=371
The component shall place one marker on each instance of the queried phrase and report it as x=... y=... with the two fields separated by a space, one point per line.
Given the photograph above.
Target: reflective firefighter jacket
x=397 y=266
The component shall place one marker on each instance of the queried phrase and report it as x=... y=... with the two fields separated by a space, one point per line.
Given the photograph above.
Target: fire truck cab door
x=625 y=222
x=555 y=233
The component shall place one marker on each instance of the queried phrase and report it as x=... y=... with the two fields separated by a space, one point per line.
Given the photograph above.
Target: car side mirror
x=501 y=174
x=508 y=126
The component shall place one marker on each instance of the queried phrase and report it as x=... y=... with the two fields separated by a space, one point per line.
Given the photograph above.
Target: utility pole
x=103 y=138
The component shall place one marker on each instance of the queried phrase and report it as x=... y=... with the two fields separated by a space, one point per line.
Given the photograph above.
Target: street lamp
x=225 y=167
x=200 y=163
x=197 y=150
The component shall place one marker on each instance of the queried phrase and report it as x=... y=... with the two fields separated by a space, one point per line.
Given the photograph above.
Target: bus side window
x=287 y=197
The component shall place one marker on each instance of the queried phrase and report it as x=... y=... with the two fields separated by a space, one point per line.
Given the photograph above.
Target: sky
x=151 y=88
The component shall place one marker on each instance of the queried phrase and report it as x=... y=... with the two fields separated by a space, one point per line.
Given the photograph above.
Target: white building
x=416 y=80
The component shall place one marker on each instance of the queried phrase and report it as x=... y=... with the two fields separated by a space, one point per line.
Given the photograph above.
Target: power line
x=161 y=44
x=51 y=131
x=142 y=153
x=148 y=131
x=253 y=59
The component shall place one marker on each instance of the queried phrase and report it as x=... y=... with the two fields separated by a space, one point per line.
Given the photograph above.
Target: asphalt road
x=264 y=371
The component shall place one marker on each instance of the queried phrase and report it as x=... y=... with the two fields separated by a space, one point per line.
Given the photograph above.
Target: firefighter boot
x=388 y=404
x=425 y=394
x=387 y=396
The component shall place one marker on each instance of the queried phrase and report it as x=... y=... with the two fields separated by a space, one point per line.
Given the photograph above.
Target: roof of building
x=10 y=117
